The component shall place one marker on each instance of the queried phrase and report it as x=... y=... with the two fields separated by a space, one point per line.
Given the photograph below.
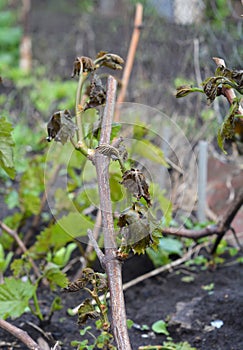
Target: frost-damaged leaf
x=211 y=88
x=135 y=229
x=108 y=150
x=61 y=127
x=86 y=311
x=234 y=76
x=6 y=148
x=84 y=63
x=227 y=129
x=97 y=93
x=14 y=297
x=185 y=90
x=91 y=278
x=135 y=182
x=109 y=60
x=86 y=277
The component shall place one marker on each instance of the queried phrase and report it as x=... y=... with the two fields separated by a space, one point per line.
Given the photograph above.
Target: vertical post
x=202 y=181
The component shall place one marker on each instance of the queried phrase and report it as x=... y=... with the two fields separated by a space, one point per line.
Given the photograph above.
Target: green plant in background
x=4 y=261
x=10 y=35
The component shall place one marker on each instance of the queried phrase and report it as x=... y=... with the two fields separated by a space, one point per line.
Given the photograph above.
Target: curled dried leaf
x=83 y=63
x=109 y=60
x=74 y=286
x=101 y=282
x=211 y=88
x=234 y=76
x=96 y=92
x=183 y=91
x=108 y=150
x=61 y=127
x=86 y=311
x=87 y=276
x=135 y=230
x=135 y=181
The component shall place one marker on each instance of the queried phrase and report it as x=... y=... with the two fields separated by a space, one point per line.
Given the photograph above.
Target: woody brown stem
x=112 y=265
x=223 y=225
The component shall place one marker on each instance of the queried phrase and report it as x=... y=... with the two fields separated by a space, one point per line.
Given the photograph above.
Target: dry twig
x=20 y=334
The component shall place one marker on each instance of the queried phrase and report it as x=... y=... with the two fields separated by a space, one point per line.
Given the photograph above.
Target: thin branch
x=223 y=225
x=164 y=268
x=20 y=334
x=94 y=243
x=20 y=243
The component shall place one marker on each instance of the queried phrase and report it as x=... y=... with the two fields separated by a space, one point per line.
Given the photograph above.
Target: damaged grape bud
x=82 y=63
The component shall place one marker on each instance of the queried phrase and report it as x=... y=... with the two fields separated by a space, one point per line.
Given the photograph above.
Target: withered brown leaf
x=108 y=150
x=61 y=127
x=211 y=88
x=109 y=60
x=97 y=93
x=74 y=286
x=135 y=181
x=86 y=62
x=86 y=310
x=135 y=229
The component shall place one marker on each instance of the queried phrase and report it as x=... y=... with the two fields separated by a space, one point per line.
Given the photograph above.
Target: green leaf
x=10 y=37
x=55 y=276
x=85 y=330
x=187 y=279
x=4 y=260
x=62 y=256
x=115 y=187
x=56 y=305
x=68 y=227
x=129 y=323
x=158 y=258
x=6 y=148
x=171 y=245
x=160 y=327
x=19 y=267
x=209 y=287
x=14 y=297
x=240 y=260
x=165 y=205
x=147 y=149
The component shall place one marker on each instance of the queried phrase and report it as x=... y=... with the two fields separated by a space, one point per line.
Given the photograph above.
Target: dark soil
x=187 y=307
